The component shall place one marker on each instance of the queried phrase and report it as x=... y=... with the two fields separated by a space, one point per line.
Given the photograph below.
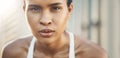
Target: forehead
x=45 y=2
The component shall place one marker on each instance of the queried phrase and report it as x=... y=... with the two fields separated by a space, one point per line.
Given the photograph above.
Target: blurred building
x=101 y=24
x=97 y=20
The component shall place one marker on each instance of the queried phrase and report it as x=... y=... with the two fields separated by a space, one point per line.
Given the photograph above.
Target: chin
x=46 y=40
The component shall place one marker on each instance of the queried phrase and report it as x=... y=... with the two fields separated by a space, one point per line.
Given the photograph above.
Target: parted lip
x=46 y=30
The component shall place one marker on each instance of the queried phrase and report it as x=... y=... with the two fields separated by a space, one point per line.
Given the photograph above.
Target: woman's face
x=47 y=18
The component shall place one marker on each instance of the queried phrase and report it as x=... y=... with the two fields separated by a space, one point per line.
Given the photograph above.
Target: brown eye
x=35 y=9
x=55 y=9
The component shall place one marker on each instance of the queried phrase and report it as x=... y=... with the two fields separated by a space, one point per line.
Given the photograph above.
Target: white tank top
x=71 y=48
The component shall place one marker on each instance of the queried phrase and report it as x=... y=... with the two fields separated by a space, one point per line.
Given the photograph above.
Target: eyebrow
x=33 y=5
x=53 y=4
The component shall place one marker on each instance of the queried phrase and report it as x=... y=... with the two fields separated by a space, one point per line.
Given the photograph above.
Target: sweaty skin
x=83 y=49
x=48 y=19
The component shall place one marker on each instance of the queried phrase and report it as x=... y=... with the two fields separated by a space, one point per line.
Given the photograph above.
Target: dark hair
x=69 y=2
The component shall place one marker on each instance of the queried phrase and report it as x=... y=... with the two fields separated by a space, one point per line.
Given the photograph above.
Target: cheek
x=61 y=20
x=63 y=17
x=33 y=20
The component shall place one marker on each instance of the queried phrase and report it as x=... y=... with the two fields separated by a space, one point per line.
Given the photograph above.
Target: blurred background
x=97 y=20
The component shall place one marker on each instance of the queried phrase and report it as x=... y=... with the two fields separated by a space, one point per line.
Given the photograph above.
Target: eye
x=34 y=9
x=55 y=9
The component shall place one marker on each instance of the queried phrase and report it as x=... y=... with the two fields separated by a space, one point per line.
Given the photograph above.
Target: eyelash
x=34 y=9
x=56 y=9
x=52 y=9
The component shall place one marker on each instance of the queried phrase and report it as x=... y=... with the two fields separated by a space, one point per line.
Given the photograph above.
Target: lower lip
x=46 y=34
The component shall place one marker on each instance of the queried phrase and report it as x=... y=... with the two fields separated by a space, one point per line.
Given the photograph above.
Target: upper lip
x=46 y=30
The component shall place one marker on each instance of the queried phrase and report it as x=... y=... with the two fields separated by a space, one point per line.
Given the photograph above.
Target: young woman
x=47 y=19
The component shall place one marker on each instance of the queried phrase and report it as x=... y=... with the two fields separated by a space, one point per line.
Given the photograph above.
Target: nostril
x=45 y=23
x=49 y=23
x=41 y=23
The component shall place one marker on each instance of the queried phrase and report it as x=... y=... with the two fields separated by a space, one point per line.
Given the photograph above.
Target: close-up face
x=47 y=18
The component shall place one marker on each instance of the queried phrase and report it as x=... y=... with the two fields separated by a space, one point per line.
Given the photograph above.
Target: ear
x=70 y=8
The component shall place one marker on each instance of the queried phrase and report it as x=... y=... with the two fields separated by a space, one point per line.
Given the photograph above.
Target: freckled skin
x=53 y=15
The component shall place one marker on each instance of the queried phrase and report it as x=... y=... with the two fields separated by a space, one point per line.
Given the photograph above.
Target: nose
x=46 y=19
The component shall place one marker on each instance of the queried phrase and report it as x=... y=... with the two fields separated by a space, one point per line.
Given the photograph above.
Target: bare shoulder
x=17 y=48
x=87 y=49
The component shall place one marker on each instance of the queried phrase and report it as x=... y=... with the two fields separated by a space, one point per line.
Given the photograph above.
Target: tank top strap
x=71 y=48
x=31 y=48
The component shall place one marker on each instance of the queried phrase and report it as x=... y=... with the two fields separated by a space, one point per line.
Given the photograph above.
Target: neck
x=60 y=44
